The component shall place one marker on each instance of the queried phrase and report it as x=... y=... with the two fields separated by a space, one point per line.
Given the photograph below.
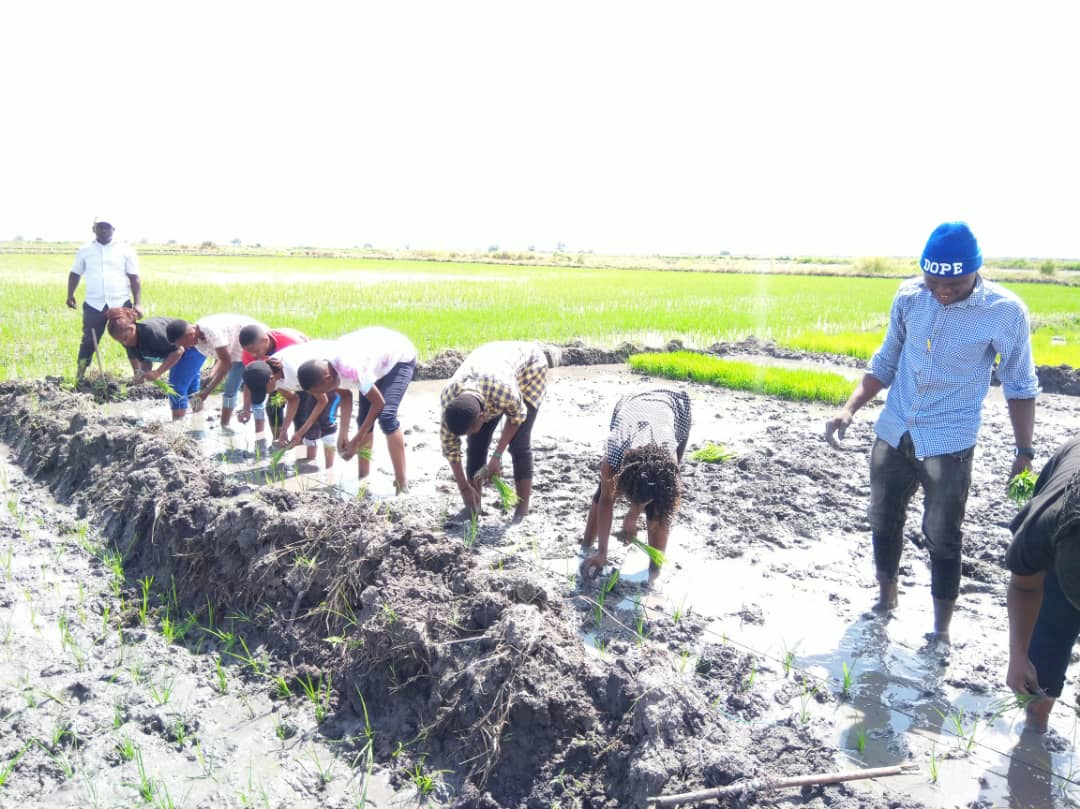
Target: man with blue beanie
x=945 y=330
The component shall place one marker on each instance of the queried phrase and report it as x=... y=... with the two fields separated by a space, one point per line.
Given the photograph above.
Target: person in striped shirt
x=497 y=379
x=946 y=327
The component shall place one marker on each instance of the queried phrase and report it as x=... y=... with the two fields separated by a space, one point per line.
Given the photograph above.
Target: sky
x=767 y=128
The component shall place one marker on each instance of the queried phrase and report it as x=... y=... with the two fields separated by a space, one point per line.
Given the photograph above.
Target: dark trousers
x=392 y=387
x=895 y=474
x=1056 y=630
x=476 y=447
x=93 y=325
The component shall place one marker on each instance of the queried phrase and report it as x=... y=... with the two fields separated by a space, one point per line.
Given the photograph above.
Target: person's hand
x=343 y=446
x=138 y=310
x=138 y=377
x=471 y=497
x=1019 y=464
x=836 y=427
x=243 y=416
x=197 y=402
x=629 y=529
x=1022 y=678
x=280 y=443
x=150 y=376
x=492 y=469
x=592 y=566
x=71 y=302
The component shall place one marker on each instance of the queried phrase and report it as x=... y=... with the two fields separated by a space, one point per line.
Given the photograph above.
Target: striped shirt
x=506 y=376
x=937 y=360
x=659 y=416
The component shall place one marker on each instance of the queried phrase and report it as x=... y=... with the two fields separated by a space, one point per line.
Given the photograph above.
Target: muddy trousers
x=520 y=446
x=895 y=474
x=93 y=325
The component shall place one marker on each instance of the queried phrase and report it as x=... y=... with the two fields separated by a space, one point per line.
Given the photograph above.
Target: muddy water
x=770 y=556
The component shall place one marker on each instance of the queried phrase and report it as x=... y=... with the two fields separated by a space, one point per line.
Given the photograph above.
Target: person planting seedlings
x=313 y=417
x=381 y=363
x=644 y=448
x=257 y=343
x=497 y=379
x=147 y=342
x=945 y=329
x=215 y=336
x=1044 y=588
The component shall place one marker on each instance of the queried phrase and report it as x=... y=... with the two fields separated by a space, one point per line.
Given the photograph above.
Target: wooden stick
x=769 y=784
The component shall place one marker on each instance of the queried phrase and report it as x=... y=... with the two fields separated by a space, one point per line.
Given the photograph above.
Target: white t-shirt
x=365 y=356
x=292 y=357
x=105 y=269
x=222 y=331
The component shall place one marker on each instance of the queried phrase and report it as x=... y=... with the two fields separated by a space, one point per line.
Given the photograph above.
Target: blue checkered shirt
x=936 y=361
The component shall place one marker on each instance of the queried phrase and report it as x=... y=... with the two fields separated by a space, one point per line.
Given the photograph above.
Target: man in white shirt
x=111 y=270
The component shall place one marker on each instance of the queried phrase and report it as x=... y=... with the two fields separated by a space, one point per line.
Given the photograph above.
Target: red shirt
x=281 y=338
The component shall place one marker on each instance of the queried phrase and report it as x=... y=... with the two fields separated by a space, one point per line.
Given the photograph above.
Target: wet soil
x=495 y=662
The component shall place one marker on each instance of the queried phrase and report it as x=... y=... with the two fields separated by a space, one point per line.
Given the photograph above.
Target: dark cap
x=257 y=377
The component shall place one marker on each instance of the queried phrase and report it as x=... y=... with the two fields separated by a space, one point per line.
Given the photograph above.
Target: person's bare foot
x=519 y=514
x=888 y=597
x=1037 y=716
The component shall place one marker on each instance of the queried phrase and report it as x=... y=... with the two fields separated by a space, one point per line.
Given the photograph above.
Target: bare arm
x=292 y=404
x=344 y=419
x=136 y=293
x=1022 y=416
x=321 y=400
x=605 y=508
x=869 y=387
x=170 y=361
x=1024 y=600
x=494 y=466
x=221 y=370
x=469 y=494
x=73 y=283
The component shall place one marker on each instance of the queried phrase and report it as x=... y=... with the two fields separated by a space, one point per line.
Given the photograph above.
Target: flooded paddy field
x=184 y=625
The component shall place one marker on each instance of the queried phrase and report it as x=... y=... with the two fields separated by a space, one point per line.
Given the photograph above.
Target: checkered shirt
x=937 y=360
x=506 y=376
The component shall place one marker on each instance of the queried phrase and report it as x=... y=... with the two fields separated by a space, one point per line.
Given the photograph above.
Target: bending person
x=314 y=418
x=215 y=336
x=1044 y=590
x=257 y=343
x=147 y=342
x=381 y=363
x=645 y=445
x=497 y=379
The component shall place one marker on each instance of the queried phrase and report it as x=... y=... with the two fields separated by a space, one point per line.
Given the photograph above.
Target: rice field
x=785 y=383
x=444 y=305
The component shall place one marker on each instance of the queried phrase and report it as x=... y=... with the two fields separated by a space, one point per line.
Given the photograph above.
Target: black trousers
x=520 y=447
x=93 y=325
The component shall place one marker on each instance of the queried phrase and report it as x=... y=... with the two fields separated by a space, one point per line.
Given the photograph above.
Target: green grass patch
x=785 y=383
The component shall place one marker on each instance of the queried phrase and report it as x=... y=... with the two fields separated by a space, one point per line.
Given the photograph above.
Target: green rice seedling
x=5 y=563
x=168 y=627
x=61 y=760
x=656 y=556
x=425 y=783
x=283 y=690
x=162 y=798
x=751 y=677
x=860 y=739
x=713 y=453
x=507 y=496
x=118 y=714
x=145 y=584
x=785 y=383
x=677 y=613
x=305 y=561
x=848 y=671
x=684 y=659
x=933 y=765
x=161 y=696
x=325 y=774
x=639 y=628
x=788 y=658
x=164 y=386
x=319 y=695
x=12 y=763
x=471 y=530
x=389 y=613
x=277 y=455
x=126 y=748
x=609 y=585
x=144 y=786
x=598 y=607
x=257 y=665
x=804 y=702
x=179 y=732
x=228 y=639
x=1022 y=486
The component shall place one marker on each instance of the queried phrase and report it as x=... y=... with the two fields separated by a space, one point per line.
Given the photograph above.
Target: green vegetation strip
x=786 y=383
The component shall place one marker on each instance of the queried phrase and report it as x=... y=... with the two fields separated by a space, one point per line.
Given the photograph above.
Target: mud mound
x=1059 y=379
x=111 y=388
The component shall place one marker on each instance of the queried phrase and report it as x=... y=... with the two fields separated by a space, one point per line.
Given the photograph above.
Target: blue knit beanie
x=951 y=251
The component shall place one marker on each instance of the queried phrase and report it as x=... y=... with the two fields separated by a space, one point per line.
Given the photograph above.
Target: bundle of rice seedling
x=164 y=386
x=713 y=453
x=1022 y=486
x=655 y=556
x=507 y=496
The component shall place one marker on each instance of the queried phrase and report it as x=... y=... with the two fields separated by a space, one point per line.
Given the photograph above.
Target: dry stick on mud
x=771 y=784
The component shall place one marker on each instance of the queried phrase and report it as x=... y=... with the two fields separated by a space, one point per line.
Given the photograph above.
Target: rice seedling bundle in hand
x=164 y=386
x=1022 y=486
x=655 y=555
x=507 y=496
x=277 y=455
x=713 y=453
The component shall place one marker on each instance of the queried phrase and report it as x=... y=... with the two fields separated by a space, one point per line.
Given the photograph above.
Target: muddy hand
x=592 y=566
x=1022 y=678
x=836 y=428
x=197 y=402
x=243 y=416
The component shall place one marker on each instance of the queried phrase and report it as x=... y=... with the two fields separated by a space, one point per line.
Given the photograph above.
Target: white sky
x=673 y=127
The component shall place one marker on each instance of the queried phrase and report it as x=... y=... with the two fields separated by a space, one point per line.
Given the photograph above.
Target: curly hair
x=649 y=473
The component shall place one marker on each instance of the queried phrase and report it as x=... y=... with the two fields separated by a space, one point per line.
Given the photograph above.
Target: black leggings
x=476 y=447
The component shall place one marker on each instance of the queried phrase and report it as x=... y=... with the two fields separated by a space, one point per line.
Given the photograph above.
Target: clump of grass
x=656 y=556
x=1022 y=486
x=785 y=383
x=472 y=529
x=713 y=453
x=858 y=344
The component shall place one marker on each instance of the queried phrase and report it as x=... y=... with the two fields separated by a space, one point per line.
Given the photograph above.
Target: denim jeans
x=895 y=474
x=184 y=378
